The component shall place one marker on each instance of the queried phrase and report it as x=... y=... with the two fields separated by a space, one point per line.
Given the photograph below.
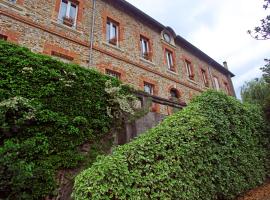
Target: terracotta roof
x=178 y=39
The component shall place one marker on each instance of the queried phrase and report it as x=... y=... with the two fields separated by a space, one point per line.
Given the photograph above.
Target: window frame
x=67 y=14
x=205 y=77
x=113 y=73
x=152 y=88
x=61 y=56
x=3 y=37
x=226 y=87
x=216 y=81
x=189 y=70
x=169 y=55
x=110 y=23
x=145 y=45
x=176 y=93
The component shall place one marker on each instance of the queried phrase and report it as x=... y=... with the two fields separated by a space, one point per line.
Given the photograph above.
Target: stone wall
x=35 y=25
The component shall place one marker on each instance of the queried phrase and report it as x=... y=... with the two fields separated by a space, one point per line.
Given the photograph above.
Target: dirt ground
x=260 y=193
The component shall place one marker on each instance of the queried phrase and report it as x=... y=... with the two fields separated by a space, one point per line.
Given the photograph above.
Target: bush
x=213 y=149
x=47 y=110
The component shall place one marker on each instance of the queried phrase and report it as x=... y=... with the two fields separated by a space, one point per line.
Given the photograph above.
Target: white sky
x=218 y=28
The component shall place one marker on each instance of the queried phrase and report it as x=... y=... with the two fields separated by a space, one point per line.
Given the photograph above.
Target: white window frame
x=68 y=12
x=216 y=83
x=169 y=58
x=111 y=29
x=150 y=86
x=144 y=46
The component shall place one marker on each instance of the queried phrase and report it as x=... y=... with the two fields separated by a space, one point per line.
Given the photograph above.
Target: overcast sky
x=218 y=28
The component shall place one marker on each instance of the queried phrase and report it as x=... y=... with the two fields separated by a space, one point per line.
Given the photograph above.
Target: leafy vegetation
x=255 y=91
x=215 y=148
x=47 y=110
x=266 y=71
x=262 y=32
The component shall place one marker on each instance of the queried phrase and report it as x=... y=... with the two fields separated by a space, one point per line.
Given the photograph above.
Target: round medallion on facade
x=167 y=37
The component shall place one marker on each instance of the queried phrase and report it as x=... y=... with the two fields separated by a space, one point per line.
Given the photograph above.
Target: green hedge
x=47 y=109
x=213 y=149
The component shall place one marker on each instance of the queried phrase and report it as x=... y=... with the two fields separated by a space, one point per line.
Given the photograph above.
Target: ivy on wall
x=215 y=148
x=47 y=110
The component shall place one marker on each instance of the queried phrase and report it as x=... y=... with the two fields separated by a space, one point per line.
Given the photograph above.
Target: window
x=149 y=88
x=227 y=88
x=68 y=13
x=62 y=57
x=167 y=37
x=216 y=83
x=189 y=69
x=145 y=49
x=205 y=78
x=112 y=32
x=12 y=1
x=174 y=94
x=113 y=73
x=169 y=58
x=3 y=37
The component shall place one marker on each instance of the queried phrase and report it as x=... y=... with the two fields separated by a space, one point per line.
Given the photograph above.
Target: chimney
x=225 y=65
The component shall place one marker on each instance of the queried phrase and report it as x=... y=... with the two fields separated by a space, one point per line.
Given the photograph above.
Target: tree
x=262 y=32
x=257 y=91
x=266 y=70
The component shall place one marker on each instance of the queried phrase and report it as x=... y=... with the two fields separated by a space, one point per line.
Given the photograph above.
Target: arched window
x=174 y=94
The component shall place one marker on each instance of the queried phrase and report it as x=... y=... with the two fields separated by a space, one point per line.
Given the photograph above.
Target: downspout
x=92 y=34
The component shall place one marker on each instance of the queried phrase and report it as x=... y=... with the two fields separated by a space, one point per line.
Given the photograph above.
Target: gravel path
x=260 y=193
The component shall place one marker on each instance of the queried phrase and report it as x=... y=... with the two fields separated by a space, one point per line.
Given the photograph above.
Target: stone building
x=118 y=39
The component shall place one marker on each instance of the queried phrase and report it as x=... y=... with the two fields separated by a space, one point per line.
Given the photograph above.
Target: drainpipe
x=92 y=34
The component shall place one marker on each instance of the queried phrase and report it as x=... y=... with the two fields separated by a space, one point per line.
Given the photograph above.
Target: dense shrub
x=213 y=149
x=47 y=109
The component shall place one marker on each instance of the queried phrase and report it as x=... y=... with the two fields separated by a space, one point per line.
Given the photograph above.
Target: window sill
x=61 y=25
x=147 y=61
x=172 y=72
x=113 y=46
x=192 y=81
x=12 y=5
x=206 y=87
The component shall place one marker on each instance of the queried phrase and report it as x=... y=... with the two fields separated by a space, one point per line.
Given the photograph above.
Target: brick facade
x=36 y=24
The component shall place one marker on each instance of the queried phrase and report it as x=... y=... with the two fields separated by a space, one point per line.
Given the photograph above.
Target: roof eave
x=180 y=40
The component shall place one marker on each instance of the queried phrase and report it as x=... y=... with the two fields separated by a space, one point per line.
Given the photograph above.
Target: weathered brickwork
x=35 y=24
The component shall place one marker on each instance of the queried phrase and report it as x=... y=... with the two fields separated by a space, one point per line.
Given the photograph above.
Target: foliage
x=119 y=106
x=213 y=149
x=47 y=110
x=266 y=71
x=262 y=32
x=257 y=91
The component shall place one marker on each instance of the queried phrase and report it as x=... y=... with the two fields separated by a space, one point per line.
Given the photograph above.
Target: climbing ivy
x=47 y=110
x=215 y=148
